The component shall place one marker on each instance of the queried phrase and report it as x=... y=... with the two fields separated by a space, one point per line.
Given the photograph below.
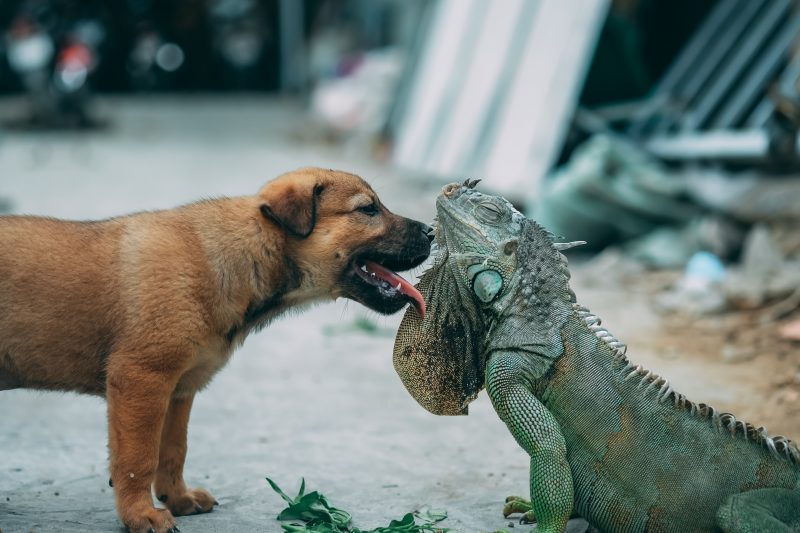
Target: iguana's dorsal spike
x=471 y=184
x=567 y=245
x=647 y=381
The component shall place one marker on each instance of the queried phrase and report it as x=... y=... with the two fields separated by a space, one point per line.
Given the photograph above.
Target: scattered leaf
x=359 y=325
x=431 y=515
x=313 y=513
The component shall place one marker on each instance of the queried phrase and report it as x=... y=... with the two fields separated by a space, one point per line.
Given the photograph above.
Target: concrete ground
x=311 y=396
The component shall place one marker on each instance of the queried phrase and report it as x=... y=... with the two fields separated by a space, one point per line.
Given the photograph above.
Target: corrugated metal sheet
x=493 y=87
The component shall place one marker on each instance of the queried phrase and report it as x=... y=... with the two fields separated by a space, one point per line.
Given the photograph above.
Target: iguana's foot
x=514 y=505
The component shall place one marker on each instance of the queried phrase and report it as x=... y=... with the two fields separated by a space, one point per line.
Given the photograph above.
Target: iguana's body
x=608 y=440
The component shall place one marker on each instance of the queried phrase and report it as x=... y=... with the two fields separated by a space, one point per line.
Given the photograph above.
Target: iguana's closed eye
x=489 y=212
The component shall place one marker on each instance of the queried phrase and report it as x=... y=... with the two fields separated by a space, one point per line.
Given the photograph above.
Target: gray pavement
x=310 y=396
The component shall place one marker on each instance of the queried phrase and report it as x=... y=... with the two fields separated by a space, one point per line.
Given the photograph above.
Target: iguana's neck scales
x=648 y=382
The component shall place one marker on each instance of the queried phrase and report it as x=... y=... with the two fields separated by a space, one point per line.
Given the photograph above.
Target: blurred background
x=663 y=132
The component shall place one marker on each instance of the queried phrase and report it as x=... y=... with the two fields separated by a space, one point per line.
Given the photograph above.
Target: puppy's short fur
x=144 y=309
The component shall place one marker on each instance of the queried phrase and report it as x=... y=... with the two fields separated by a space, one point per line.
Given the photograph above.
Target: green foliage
x=363 y=325
x=313 y=513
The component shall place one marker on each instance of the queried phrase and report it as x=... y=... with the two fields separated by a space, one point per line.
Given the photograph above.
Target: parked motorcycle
x=54 y=59
x=239 y=37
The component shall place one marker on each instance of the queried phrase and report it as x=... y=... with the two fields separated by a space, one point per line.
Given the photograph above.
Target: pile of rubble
x=713 y=241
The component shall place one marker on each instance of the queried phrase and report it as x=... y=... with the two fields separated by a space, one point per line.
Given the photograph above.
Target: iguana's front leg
x=537 y=431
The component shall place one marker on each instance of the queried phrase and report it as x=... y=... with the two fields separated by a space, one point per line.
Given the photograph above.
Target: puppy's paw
x=148 y=519
x=193 y=501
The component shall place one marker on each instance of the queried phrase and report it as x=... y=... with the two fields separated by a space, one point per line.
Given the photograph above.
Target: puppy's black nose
x=428 y=231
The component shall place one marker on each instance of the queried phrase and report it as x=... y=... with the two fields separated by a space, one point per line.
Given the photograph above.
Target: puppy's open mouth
x=389 y=284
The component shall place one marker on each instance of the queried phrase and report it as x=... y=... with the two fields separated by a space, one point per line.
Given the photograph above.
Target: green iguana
x=609 y=440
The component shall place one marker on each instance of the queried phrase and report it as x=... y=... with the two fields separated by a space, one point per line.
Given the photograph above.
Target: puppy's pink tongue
x=400 y=283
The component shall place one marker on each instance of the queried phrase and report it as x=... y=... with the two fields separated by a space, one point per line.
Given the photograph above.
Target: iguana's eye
x=487 y=285
x=489 y=211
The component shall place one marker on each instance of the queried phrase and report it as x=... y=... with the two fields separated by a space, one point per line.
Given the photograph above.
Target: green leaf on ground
x=313 y=513
x=431 y=515
x=359 y=325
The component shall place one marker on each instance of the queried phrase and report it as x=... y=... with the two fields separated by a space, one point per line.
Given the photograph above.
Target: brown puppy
x=145 y=308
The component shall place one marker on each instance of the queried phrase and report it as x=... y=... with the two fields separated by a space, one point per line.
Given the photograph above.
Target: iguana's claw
x=527 y=518
x=515 y=504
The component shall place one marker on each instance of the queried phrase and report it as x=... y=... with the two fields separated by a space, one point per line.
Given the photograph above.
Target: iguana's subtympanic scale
x=608 y=440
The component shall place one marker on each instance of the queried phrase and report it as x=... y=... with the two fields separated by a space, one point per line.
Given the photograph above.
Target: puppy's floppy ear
x=292 y=205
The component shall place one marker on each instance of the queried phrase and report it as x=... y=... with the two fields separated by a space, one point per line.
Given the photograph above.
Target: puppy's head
x=346 y=242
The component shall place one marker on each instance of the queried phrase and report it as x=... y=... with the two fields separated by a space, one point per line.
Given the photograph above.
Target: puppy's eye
x=370 y=209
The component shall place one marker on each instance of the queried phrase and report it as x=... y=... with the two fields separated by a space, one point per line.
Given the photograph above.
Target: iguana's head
x=491 y=265
x=477 y=236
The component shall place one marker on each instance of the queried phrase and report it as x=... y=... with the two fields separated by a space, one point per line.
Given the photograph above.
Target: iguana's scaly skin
x=608 y=440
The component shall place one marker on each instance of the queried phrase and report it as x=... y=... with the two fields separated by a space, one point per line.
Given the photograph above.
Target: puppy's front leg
x=169 y=486
x=138 y=397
